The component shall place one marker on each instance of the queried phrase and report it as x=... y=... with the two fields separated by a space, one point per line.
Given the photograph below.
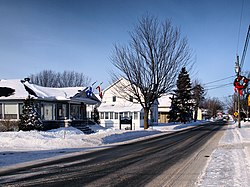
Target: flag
x=90 y=90
x=99 y=90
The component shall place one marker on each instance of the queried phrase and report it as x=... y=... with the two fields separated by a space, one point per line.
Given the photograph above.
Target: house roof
x=164 y=101
x=17 y=86
x=120 y=107
x=23 y=88
x=113 y=84
x=54 y=93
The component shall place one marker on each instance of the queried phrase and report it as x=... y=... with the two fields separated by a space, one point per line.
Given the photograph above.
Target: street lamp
x=237 y=67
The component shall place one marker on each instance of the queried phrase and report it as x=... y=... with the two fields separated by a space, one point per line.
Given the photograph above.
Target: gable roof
x=113 y=84
x=23 y=88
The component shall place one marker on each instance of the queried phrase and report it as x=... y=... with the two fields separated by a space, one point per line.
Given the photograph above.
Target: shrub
x=8 y=125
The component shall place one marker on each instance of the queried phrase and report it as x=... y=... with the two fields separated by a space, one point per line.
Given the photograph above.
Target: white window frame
x=16 y=110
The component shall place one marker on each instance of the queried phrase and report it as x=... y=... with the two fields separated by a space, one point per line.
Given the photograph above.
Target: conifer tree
x=30 y=119
x=174 y=111
x=198 y=97
x=96 y=116
x=182 y=103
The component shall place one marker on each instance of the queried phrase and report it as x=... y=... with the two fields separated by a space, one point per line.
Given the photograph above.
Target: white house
x=164 y=108
x=56 y=106
x=120 y=113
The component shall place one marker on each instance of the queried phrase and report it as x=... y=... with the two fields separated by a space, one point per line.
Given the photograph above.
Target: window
x=48 y=111
x=111 y=115
x=135 y=115
x=102 y=115
x=120 y=115
x=114 y=98
x=1 y=111
x=126 y=114
x=62 y=111
x=20 y=109
x=116 y=115
x=10 y=111
x=106 y=115
x=142 y=115
x=131 y=115
x=74 y=111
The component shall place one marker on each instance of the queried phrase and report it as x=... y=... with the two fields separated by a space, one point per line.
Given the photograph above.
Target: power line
x=220 y=80
x=245 y=48
x=240 y=26
x=219 y=86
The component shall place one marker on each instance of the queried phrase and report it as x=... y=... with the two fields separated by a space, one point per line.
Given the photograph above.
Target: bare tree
x=71 y=78
x=151 y=61
x=231 y=103
x=49 y=78
x=213 y=105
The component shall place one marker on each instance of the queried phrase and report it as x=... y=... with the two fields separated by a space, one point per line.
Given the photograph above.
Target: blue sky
x=80 y=35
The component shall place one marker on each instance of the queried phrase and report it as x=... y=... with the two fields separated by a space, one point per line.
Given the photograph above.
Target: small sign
x=248 y=100
x=235 y=114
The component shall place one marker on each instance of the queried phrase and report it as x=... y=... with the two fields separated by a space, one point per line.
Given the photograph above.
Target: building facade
x=120 y=113
x=56 y=106
x=164 y=108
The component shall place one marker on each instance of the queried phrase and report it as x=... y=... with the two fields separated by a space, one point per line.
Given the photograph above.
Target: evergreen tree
x=174 y=110
x=198 y=96
x=30 y=119
x=96 y=116
x=184 y=96
x=182 y=102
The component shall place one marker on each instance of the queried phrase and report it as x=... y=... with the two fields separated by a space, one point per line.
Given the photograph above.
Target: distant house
x=56 y=106
x=164 y=108
x=120 y=113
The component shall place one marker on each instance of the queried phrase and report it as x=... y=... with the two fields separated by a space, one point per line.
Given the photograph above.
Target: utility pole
x=237 y=70
x=238 y=66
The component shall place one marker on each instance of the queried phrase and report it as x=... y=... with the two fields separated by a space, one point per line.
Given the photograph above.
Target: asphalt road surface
x=171 y=159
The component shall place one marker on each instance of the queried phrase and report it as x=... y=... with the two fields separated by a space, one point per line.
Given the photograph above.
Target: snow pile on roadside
x=23 y=146
x=63 y=138
x=70 y=137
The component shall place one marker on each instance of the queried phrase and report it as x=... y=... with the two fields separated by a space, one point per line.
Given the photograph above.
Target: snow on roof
x=20 y=92
x=120 y=107
x=54 y=93
x=164 y=101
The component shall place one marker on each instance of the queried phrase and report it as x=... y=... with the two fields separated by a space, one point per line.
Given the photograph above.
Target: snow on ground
x=229 y=165
x=18 y=147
